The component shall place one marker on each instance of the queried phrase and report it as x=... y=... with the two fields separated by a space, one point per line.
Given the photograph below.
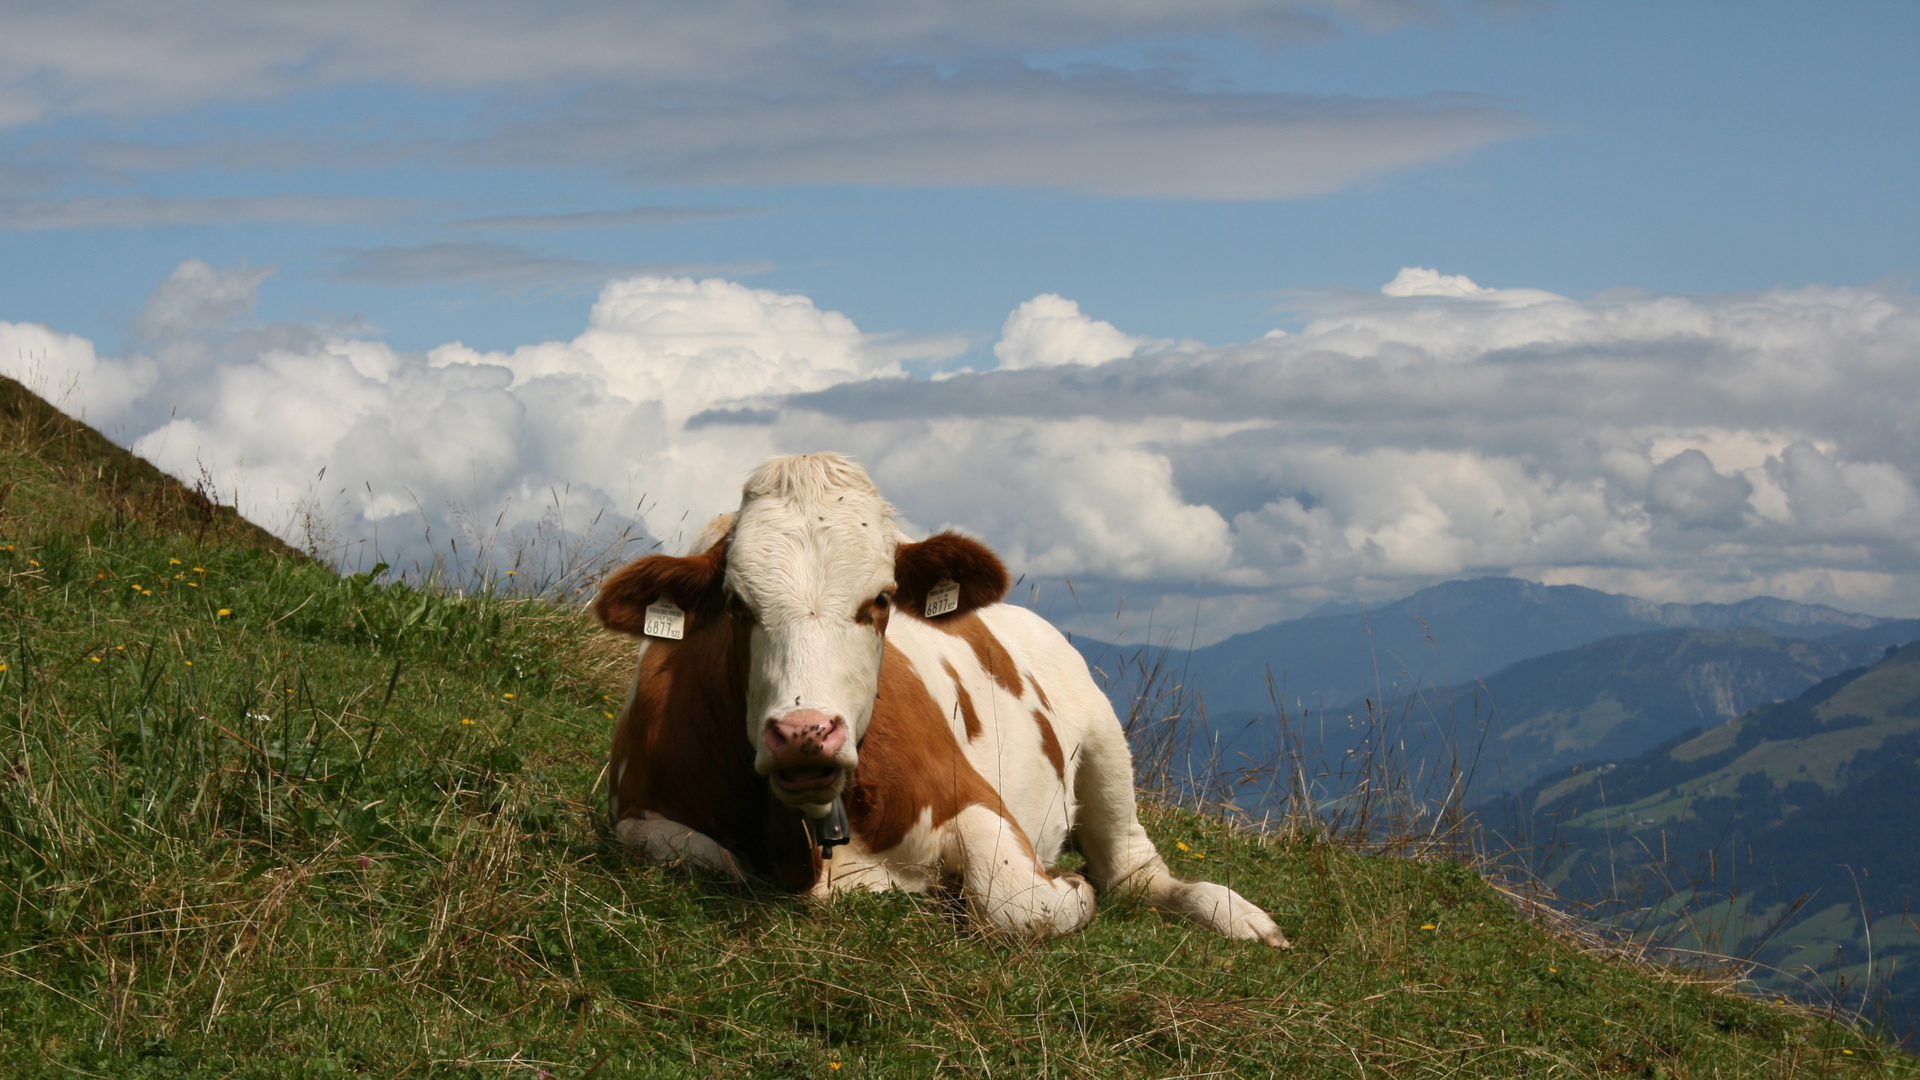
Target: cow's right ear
x=695 y=583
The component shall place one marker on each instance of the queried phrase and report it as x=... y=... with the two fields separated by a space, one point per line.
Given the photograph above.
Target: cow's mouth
x=805 y=778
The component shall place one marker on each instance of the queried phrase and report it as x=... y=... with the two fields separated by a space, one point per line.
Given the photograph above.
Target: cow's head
x=813 y=565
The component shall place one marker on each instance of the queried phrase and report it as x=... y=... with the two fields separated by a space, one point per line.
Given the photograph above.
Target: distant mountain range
x=1618 y=696
x=1449 y=634
x=1818 y=797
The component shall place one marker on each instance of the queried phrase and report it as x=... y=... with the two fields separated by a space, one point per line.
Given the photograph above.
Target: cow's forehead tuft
x=812 y=531
x=808 y=478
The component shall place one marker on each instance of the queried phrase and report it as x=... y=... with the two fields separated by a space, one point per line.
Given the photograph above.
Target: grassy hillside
x=263 y=821
x=1794 y=829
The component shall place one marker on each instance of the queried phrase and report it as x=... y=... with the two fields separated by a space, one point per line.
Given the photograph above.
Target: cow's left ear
x=919 y=568
x=694 y=583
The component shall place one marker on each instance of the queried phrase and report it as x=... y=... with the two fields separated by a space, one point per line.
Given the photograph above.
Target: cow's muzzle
x=803 y=753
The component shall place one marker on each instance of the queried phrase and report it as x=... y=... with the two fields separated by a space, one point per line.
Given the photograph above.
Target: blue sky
x=415 y=175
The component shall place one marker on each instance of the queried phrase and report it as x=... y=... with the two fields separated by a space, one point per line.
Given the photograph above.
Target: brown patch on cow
x=947 y=556
x=1039 y=693
x=993 y=656
x=681 y=751
x=1050 y=744
x=910 y=761
x=695 y=583
x=967 y=716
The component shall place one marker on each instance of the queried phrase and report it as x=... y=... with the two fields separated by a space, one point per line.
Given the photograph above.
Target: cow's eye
x=738 y=608
x=881 y=602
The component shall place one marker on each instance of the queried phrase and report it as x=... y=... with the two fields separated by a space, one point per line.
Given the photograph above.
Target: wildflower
x=1428 y=926
x=199 y=569
x=468 y=720
x=95 y=659
x=1849 y=1053
x=1182 y=845
x=1199 y=854
x=100 y=576
x=510 y=573
x=33 y=562
x=136 y=586
x=193 y=584
x=224 y=612
x=189 y=663
x=173 y=562
x=3 y=667
x=1553 y=969
x=9 y=547
x=508 y=697
x=365 y=863
x=609 y=715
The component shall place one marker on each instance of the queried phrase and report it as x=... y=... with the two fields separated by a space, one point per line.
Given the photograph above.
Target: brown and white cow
x=969 y=746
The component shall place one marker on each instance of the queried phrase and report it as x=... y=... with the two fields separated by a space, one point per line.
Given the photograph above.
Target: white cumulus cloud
x=1050 y=329
x=1677 y=447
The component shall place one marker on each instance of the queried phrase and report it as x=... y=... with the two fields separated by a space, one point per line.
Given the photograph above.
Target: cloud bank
x=1679 y=448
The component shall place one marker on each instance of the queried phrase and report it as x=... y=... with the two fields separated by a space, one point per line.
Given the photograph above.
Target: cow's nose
x=804 y=735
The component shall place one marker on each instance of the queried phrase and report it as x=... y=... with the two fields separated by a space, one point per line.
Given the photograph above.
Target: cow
x=806 y=660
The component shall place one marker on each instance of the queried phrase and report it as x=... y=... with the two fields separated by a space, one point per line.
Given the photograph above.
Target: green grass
x=260 y=820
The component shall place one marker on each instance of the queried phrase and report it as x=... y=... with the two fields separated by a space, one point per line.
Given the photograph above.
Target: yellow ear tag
x=665 y=620
x=943 y=598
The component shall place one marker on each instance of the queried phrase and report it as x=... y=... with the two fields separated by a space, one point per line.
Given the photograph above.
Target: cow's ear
x=695 y=583
x=920 y=568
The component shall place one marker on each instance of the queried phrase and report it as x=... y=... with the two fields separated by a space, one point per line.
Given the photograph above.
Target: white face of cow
x=811 y=564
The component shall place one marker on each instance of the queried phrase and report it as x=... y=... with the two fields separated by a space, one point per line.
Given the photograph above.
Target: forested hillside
x=1792 y=832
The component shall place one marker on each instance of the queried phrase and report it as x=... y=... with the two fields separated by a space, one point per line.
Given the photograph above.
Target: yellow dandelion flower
x=189 y=663
x=510 y=573
x=3 y=667
x=136 y=586
x=1553 y=969
x=835 y=1066
x=95 y=659
x=609 y=715
x=100 y=576
x=1428 y=926
x=467 y=720
x=508 y=697
x=33 y=562
x=193 y=584
x=1849 y=1053
x=119 y=648
x=199 y=569
x=1182 y=845
x=1199 y=854
x=173 y=562
x=224 y=612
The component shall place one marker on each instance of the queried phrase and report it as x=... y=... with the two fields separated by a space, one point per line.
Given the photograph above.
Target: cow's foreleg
x=1121 y=858
x=1006 y=887
x=665 y=840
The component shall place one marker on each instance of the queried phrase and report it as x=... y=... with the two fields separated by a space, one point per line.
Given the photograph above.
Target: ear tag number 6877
x=943 y=598
x=665 y=620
